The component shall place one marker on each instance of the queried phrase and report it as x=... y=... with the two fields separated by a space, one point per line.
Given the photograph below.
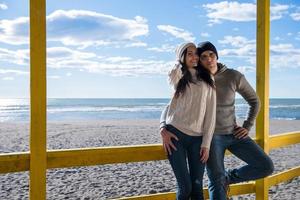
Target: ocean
x=17 y=110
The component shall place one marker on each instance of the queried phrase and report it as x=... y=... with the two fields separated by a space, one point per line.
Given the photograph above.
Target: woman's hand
x=167 y=140
x=204 y=154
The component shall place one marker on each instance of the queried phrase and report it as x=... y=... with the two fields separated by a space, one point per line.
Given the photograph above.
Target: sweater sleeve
x=209 y=118
x=248 y=93
x=163 y=117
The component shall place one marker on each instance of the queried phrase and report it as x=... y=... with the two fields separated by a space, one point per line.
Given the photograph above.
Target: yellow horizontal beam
x=14 y=162
x=235 y=189
x=284 y=176
x=285 y=139
x=242 y=188
x=104 y=155
x=19 y=161
x=158 y=196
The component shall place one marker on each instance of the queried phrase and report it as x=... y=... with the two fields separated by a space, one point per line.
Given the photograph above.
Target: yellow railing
x=38 y=159
x=17 y=162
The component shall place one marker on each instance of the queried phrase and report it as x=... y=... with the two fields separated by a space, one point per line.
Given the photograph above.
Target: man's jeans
x=258 y=163
x=189 y=177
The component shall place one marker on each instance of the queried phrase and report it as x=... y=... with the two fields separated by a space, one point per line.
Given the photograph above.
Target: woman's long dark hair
x=202 y=74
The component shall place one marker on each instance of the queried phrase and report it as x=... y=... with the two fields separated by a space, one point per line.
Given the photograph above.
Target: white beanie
x=175 y=74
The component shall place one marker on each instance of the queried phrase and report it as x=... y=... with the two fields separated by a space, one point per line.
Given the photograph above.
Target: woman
x=190 y=122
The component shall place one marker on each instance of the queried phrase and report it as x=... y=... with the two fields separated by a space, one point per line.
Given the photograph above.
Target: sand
x=119 y=180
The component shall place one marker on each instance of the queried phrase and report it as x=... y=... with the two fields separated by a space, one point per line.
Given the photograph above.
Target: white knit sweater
x=194 y=112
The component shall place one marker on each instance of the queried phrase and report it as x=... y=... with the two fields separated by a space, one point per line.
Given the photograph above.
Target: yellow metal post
x=262 y=86
x=38 y=156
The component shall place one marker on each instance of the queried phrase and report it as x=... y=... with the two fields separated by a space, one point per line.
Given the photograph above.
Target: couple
x=199 y=124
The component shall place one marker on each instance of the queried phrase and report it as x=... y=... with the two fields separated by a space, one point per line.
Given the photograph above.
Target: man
x=228 y=134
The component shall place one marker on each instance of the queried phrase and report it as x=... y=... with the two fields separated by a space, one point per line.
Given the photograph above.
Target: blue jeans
x=189 y=176
x=258 y=163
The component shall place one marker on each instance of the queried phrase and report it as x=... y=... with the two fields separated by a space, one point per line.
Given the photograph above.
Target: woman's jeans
x=258 y=163
x=189 y=176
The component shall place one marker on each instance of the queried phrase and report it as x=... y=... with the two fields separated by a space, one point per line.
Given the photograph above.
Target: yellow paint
x=235 y=189
x=284 y=176
x=37 y=100
x=262 y=86
x=159 y=196
x=281 y=140
x=242 y=188
x=14 y=162
x=104 y=155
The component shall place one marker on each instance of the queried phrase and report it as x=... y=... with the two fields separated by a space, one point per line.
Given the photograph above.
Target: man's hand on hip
x=240 y=132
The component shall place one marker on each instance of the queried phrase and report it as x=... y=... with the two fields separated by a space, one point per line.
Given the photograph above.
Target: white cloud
x=298 y=37
x=62 y=53
x=19 y=57
x=78 y=27
x=14 y=72
x=117 y=59
x=284 y=56
x=84 y=61
x=277 y=38
x=11 y=73
x=205 y=35
x=15 y=31
x=177 y=32
x=246 y=69
x=295 y=16
x=136 y=44
x=239 y=47
x=277 y=11
x=163 y=48
x=64 y=58
x=54 y=55
x=3 y=6
x=232 y=11
x=53 y=77
x=239 y=12
x=284 y=49
x=8 y=78
x=236 y=41
x=133 y=67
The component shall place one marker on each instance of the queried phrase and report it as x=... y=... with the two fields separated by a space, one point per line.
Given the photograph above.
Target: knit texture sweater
x=194 y=112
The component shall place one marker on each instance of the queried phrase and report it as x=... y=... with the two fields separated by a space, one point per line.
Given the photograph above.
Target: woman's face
x=192 y=57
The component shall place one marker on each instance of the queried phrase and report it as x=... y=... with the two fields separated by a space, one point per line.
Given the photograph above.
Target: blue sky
x=123 y=49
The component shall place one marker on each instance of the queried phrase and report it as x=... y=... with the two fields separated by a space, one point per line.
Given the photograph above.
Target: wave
x=285 y=118
x=107 y=109
x=285 y=106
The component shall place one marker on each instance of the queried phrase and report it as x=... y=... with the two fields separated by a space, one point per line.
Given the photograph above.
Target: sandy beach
x=119 y=180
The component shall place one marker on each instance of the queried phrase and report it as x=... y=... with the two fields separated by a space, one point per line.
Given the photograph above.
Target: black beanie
x=205 y=46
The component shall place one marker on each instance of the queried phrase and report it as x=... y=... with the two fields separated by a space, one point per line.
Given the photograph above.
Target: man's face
x=209 y=60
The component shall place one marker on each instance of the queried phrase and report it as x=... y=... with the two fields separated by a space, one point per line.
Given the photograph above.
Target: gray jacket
x=228 y=82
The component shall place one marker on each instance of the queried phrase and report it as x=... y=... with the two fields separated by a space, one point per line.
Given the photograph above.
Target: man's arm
x=248 y=93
